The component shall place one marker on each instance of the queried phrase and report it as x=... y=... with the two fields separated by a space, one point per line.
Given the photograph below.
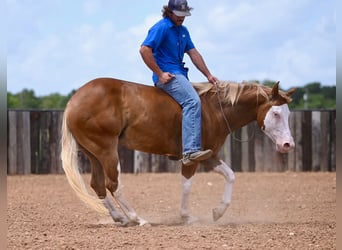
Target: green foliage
x=53 y=101
x=24 y=99
x=311 y=96
x=12 y=100
x=28 y=100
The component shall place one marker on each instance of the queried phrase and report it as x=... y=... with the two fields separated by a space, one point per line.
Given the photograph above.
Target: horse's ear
x=291 y=91
x=275 y=91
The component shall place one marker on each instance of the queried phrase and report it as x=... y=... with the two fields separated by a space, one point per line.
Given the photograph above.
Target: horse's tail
x=72 y=172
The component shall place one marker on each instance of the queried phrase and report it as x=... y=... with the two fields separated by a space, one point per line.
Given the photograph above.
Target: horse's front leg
x=229 y=176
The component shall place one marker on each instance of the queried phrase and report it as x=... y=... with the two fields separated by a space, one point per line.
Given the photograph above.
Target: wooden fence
x=34 y=146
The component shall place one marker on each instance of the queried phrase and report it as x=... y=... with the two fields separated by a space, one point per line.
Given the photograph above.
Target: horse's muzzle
x=285 y=146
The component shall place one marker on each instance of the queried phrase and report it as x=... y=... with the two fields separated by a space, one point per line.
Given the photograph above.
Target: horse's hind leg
x=187 y=177
x=97 y=182
x=112 y=170
x=125 y=206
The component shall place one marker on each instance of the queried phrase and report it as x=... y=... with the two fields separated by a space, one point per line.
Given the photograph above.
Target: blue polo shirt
x=169 y=43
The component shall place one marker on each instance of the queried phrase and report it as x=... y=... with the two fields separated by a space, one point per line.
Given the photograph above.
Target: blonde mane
x=231 y=91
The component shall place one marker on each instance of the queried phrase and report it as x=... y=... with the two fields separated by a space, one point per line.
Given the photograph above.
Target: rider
x=162 y=51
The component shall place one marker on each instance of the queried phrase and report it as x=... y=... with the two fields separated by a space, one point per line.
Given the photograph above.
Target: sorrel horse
x=105 y=112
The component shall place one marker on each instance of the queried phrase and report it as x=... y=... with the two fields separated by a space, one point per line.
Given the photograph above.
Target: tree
x=12 y=100
x=297 y=98
x=329 y=92
x=52 y=101
x=24 y=99
x=314 y=87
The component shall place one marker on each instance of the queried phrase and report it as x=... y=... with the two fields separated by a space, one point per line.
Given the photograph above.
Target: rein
x=227 y=122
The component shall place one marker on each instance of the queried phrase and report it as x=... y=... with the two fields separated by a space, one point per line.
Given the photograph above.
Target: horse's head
x=273 y=118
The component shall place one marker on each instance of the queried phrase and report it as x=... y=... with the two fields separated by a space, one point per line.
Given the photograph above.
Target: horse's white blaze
x=276 y=127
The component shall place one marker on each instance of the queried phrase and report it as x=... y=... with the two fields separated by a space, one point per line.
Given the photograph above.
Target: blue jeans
x=184 y=93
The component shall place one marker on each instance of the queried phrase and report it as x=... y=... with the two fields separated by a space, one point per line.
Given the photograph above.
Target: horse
x=106 y=112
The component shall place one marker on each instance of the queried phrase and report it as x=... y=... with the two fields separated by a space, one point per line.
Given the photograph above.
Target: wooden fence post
x=19 y=157
x=12 y=143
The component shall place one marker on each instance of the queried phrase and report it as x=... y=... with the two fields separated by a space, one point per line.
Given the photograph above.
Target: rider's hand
x=165 y=77
x=213 y=79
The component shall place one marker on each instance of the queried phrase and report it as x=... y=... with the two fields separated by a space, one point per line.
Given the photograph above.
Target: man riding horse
x=163 y=50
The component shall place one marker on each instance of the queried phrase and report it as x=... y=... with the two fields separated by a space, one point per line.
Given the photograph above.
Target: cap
x=179 y=7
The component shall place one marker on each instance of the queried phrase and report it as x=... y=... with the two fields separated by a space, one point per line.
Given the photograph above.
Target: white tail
x=72 y=172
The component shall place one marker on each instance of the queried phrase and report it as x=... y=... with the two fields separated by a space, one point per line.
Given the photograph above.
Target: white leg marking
x=114 y=213
x=228 y=174
x=125 y=206
x=186 y=189
x=128 y=210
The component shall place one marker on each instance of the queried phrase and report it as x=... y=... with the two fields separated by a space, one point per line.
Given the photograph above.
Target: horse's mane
x=231 y=91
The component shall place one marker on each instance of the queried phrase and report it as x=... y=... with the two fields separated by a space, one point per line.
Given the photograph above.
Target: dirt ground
x=268 y=211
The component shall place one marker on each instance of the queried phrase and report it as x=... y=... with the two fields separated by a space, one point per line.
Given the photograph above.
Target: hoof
x=219 y=211
x=216 y=214
x=189 y=219
x=145 y=224
x=128 y=223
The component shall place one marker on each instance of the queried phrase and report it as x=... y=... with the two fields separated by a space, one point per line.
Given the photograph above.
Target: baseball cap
x=179 y=7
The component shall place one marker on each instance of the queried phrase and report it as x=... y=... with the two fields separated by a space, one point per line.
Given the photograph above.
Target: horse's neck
x=240 y=116
x=243 y=112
